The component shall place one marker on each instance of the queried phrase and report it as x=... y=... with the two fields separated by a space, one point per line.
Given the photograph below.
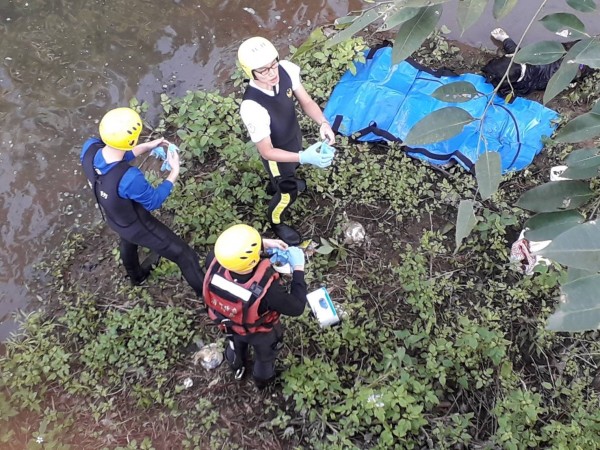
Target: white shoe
x=499 y=34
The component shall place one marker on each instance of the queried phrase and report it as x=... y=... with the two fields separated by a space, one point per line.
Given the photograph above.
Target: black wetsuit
x=136 y=226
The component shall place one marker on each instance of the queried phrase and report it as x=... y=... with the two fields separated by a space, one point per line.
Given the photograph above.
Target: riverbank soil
x=437 y=348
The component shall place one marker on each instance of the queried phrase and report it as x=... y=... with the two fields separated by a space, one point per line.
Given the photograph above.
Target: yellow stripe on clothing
x=274 y=169
x=278 y=210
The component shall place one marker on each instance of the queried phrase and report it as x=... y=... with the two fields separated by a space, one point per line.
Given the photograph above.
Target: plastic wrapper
x=210 y=356
x=354 y=233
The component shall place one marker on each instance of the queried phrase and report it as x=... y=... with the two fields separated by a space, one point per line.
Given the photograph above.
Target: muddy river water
x=63 y=63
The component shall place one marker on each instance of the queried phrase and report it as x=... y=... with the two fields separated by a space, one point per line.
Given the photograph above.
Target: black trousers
x=156 y=236
x=266 y=347
x=283 y=179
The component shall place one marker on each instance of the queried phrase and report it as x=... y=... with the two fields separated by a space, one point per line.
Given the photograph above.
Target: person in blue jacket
x=126 y=199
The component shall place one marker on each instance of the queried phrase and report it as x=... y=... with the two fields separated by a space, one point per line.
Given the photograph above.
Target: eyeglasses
x=265 y=70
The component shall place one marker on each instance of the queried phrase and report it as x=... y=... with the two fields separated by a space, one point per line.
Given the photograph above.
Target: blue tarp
x=382 y=102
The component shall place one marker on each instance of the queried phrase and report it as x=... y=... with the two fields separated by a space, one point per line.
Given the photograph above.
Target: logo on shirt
x=251 y=128
x=104 y=195
x=289 y=92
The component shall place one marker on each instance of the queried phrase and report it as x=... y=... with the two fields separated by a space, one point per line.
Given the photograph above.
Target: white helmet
x=255 y=53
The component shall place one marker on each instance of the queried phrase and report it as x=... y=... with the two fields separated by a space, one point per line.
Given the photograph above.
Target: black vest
x=120 y=213
x=285 y=129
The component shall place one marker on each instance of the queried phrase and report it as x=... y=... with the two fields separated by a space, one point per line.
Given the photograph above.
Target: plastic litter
x=556 y=173
x=210 y=356
x=322 y=307
x=188 y=383
x=522 y=252
x=354 y=233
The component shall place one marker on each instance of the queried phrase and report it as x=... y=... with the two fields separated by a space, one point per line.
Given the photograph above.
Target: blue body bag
x=382 y=102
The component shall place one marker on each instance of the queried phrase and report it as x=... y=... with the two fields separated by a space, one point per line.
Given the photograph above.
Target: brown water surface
x=63 y=63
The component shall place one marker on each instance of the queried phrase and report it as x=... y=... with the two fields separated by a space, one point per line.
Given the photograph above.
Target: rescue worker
x=245 y=298
x=269 y=114
x=125 y=198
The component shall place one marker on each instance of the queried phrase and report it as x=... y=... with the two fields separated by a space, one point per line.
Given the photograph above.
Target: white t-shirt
x=255 y=117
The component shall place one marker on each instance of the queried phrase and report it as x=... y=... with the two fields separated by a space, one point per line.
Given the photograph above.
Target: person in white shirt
x=269 y=113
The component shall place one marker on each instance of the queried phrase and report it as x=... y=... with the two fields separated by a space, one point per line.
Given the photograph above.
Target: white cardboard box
x=322 y=307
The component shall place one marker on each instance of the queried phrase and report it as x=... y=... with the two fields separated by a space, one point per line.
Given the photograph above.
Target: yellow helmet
x=256 y=52
x=238 y=248
x=120 y=128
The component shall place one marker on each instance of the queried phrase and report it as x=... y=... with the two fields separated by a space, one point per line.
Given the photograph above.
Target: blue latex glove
x=296 y=256
x=159 y=153
x=327 y=149
x=279 y=256
x=313 y=155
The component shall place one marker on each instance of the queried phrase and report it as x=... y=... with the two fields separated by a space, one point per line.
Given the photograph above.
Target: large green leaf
x=438 y=126
x=420 y=3
x=413 y=32
x=358 y=24
x=577 y=247
x=588 y=52
x=582 y=5
x=561 y=79
x=465 y=221
x=315 y=38
x=503 y=7
x=582 y=128
x=343 y=22
x=575 y=274
x=458 y=92
x=488 y=171
x=579 y=307
x=546 y=226
x=556 y=196
x=565 y=25
x=468 y=12
x=396 y=18
x=544 y=52
x=583 y=164
x=582 y=157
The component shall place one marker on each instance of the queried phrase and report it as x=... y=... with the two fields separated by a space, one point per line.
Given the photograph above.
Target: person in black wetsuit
x=245 y=299
x=269 y=114
x=522 y=79
x=125 y=198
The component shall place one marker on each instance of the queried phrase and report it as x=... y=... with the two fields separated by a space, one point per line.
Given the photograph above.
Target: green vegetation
x=438 y=349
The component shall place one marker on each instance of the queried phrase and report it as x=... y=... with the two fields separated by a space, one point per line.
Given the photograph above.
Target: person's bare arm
x=147 y=146
x=312 y=110
x=270 y=153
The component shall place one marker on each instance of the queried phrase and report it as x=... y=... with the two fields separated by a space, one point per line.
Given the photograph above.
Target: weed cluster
x=437 y=348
